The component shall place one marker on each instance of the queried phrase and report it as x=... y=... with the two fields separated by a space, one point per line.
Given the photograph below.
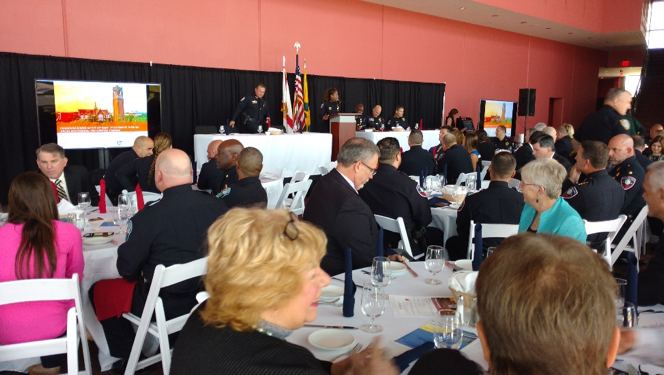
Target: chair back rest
x=299 y=191
x=396 y=226
x=484 y=170
x=514 y=183
x=630 y=234
x=38 y=290
x=299 y=177
x=462 y=178
x=490 y=231
x=606 y=226
x=181 y=272
x=324 y=169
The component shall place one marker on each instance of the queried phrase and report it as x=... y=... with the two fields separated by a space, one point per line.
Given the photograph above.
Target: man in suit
x=417 y=160
x=639 y=147
x=544 y=148
x=210 y=176
x=563 y=142
x=456 y=159
x=69 y=180
x=336 y=207
x=524 y=154
x=142 y=148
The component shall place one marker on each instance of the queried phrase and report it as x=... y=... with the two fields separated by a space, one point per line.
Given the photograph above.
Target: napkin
x=349 y=286
x=478 y=257
x=420 y=125
x=632 y=278
x=139 y=197
x=463 y=281
x=55 y=192
x=422 y=178
x=404 y=359
x=65 y=207
x=113 y=298
x=102 y=196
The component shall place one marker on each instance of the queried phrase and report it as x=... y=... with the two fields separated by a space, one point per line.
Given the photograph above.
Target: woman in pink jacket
x=34 y=244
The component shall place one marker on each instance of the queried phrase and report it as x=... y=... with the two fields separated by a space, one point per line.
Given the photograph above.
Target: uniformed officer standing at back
x=376 y=122
x=609 y=121
x=329 y=108
x=590 y=190
x=252 y=111
x=502 y=142
x=628 y=172
x=360 y=119
x=398 y=120
x=248 y=191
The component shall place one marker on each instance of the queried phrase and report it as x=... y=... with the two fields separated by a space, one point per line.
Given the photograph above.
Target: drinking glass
x=447 y=332
x=441 y=178
x=79 y=221
x=626 y=315
x=3 y=217
x=471 y=182
x=260 y=129
x=620 y=292
x=381 y=272
x=459 y=193
x=84 y=200
x=373 y=306
x=433 y=185
x=434 y=262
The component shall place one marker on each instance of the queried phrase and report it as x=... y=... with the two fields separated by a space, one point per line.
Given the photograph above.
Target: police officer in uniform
x=248 y=191
x=393 y=194
x=169 y=231
x=227 y=155
x=360 y=119
x=376 y=122
x=501 y=141
x=590 y=190
x=609 y=121
x=253 y=111
x=329 y=108
x=398 y=120
x=628 y=172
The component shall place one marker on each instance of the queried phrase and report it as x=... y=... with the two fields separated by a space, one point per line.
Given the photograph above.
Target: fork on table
x=356 y=349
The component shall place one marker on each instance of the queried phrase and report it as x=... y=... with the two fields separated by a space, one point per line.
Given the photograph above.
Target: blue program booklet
x=425 y=334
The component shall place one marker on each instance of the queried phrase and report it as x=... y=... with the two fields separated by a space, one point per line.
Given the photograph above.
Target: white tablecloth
x=292 y=152
x=394 y=327
x=444 y=219
x=430 y=137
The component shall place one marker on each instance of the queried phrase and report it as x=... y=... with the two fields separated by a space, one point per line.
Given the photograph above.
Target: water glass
x=471 y=182
x=459 y=193
x=626 y=315
x=434 y=262
x=381 y=271
x=3 y=217
x=373 y=306
x=447 y=332
x=84 y=200
x=620 y=292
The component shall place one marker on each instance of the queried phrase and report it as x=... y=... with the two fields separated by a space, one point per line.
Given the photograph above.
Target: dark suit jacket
x=210 y=177
x=78 y=181
x=347 y=221
x=564 y=146
x=642 y=159
x=563 y=161
x=457 y=160
x=417 y=159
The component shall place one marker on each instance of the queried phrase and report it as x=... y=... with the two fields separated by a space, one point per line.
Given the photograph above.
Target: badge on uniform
x=329 y=108
x=224 y=193
x=130 y=226
x=254 y=102
x=570 y=193
x=627 y=182
x=421 y=191
x=242 y=98
x=625 y=124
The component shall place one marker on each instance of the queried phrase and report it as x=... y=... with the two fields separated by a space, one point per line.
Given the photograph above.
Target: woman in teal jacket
x=545 y=211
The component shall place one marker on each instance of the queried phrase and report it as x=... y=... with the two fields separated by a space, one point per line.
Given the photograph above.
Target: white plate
x=331 y=292
x=397 y=267
x=465 y=264
x=97 y=240
x=332 y=339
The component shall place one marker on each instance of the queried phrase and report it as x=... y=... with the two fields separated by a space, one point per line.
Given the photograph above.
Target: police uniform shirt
x=596 y=197
x=487 y=150
x=602 y=126
x=505 y=144
x=360 y=122
x=253 y=107
x=230 y=178
x=630 y=175
x=329 y=108
x=248 y=192
x=418 y=160
x=395 y=122
x=377 y=123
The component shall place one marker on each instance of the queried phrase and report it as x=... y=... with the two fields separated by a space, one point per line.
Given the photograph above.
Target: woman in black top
x=450 y=120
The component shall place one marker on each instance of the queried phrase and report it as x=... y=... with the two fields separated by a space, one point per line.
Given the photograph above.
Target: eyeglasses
x=522 y=184
x=373 y=170
x=291 y=230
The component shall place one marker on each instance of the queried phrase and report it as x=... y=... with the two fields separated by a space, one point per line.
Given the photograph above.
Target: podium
x=342 y=127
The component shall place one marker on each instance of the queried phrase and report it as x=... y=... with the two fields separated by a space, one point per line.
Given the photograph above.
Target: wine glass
x=381 y=272
x=458 y=194
x=447 y=332
x=373 y=306
x=84 y=200
x=434 y=262
x=260 y=129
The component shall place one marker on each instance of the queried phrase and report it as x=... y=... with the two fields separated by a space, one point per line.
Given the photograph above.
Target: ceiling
x=499 y=18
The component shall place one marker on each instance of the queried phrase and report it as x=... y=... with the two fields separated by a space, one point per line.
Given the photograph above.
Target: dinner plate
x=331 y=292
x=97 y=240
x=464 y=264
x=397 y=267
x=332 y=339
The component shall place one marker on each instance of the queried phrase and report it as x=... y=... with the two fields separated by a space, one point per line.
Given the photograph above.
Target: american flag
x=298 y=103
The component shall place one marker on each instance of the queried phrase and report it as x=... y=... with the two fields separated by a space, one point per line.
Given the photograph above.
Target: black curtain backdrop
x=190 y=96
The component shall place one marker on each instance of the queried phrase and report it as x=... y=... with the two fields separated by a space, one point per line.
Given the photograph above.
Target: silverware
x=356 y=349
x=338 y=279
x=324 y=326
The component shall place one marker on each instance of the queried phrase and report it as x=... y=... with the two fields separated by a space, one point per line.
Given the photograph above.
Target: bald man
x=211 y=177
x=628 y=172
x=142 y=148
x=376 y=121
x=169 y=231
x=248 y=191
x=226 y=159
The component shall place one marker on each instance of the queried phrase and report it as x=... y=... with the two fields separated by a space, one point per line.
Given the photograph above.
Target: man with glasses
x=336 y=207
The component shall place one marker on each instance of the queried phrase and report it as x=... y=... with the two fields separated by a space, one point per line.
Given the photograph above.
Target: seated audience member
x=335 y=206
x=169 y=231
x=455 y=159
x=142 y=148
x=654 y=132
x=563 y=142
x=460 y=137
x=498 y=204
x=417 y=160
x=438 y=151
x=590 y=190
x=628 y=172
x=248 y=191
x=226 y=159
x=651 y=280
x=544 y=148
x=656 y=149
x=242 y=327
x=502 y=142
x=546 y=306
x=360 y=119
x=393 y=194
x=143 y=169
x=68 y=179
x=545 y=211
x=211 y=177
x=639 y=147
x=524 y=154
x=36 y=245
x=376 y=121
x=470 y=144
x=550 y=131
x=397 y=120
x=485 y=147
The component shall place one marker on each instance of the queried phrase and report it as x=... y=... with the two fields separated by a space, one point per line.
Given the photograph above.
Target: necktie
x=62 y=194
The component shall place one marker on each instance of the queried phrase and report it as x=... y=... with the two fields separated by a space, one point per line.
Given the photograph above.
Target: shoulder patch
x=242 y=98
x=130 y=226
x=322 y=105
x=420 y=191
x=570 y=193
x=625 y=124
x=627 y=182
x=224 y=193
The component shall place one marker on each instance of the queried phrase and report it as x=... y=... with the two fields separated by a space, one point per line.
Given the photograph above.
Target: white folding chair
x=148 y=196
x=299 y=176
x=490 y=231
x=514 y=183
x=299 y=191
x=462 y=178
x=278 y=172
x=324 y=169
x=397 y=226
x=630 y=235
x=611 y=227
x=49 y=290
x=163 y=277
x=485 y=168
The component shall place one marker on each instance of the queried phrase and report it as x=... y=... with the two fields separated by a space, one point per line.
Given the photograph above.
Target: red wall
x=339 y=38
